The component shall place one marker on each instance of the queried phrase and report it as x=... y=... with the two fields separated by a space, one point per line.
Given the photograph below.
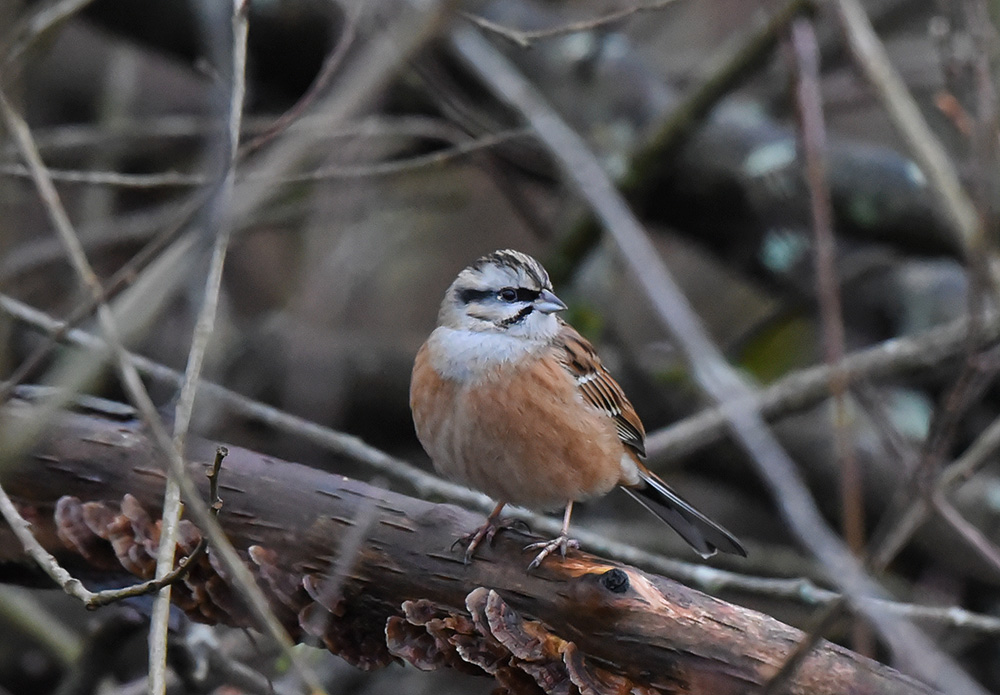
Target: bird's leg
x=560 y=543
x=487 y=531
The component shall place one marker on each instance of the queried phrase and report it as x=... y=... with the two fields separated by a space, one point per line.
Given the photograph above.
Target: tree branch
x=92 y=490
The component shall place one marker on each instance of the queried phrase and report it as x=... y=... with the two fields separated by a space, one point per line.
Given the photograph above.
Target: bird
x=509 y=399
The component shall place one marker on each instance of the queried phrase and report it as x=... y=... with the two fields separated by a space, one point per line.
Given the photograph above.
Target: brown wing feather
x=599 y=388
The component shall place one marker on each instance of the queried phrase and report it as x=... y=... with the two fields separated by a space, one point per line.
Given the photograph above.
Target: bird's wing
x=598 y=387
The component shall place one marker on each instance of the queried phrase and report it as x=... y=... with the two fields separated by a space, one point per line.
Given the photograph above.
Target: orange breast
x=520 y=435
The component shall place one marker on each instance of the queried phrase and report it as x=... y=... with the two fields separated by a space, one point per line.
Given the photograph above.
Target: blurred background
x=348 y=227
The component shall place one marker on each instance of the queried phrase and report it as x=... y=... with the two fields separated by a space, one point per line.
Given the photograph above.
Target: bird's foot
x=560 y=543
x=487 y=532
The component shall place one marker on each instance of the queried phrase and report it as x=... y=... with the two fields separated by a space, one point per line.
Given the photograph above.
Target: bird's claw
x=488 y=532
x=560 y=543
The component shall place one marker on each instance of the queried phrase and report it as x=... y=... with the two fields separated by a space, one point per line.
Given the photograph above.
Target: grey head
x=505 y=292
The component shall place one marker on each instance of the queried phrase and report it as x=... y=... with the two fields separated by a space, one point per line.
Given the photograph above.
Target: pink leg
x=485 y=532
x=560 y=543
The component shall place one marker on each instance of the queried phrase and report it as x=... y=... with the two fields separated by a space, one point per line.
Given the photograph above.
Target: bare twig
x=977 y=455
x=37 y=24
x=204 y=326
x=335 y=171
x=807 y=387
x=404 y=33
x=137 y=392
x=821 y=623
x=707 y=578
x=723 y=72
x=106 y=598
x=926 y=479
x=214 y=501
x=70 y=584
x=871 y=56
x=330 y=66
x=805 y=51
x=813 y=138
x=86 y=136
x=22 y=529
x=121 y=280
x=524 y=39
x=972 y=535
x=166 y=179
x=582 y=169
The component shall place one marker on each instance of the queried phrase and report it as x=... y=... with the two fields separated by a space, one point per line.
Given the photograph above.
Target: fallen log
x=374 y=576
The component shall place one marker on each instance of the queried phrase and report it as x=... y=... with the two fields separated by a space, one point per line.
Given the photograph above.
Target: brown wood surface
x=374 y=576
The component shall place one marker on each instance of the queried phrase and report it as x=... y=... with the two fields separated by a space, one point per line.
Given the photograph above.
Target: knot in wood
x=615 y=581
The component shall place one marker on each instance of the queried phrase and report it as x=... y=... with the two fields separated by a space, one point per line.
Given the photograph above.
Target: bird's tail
x=700 y=532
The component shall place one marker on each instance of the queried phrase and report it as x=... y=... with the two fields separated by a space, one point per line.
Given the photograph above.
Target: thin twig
x=722 y=74
x=582 y=169
x=977 y=455
x=106 y=598
x=707 y=578
x=927 y=150
x=807 y=387
x=22 y=529
x=70 y=584
x=85 y=136
x=122 y=279
x=895 y=529
x=808 y=102
x=326 y=73
x=398 y=38
x=813 y=138
x=137 y=392
x=41 y=21
x=985 y=548
x=204 y=327
x=334 y=171
x=214 y=501
x=821 y=624
x=423 y=483
x=128 y=272
x=524 y=39
x=809 y=106
x=330 y=590
x=165 y=179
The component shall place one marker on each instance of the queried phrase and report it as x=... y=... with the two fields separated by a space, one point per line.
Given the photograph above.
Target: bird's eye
x=507 y=294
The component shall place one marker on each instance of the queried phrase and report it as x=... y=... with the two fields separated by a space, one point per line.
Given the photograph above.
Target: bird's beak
x=549 y=303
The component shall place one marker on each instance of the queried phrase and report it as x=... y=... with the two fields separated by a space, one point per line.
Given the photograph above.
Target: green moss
x=780 y=348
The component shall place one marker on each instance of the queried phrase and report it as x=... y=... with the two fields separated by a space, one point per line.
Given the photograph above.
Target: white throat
x=465 y=355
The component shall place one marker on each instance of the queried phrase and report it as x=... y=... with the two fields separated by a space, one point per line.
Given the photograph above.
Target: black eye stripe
x=521 y=294
x=470 y=295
